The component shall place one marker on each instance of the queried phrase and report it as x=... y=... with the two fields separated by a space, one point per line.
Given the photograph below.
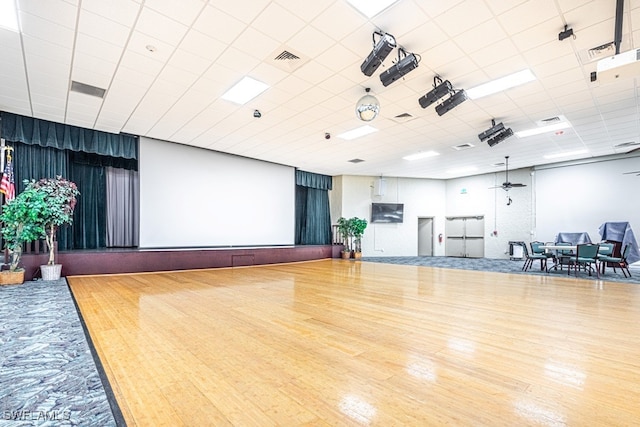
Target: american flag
x=7 y=184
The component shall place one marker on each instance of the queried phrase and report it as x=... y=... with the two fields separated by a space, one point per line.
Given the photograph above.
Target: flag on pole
x=7 y=184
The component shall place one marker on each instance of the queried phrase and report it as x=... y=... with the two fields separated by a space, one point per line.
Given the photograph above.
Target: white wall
x=581 y=197
x=421 y=198
x=562 y=198
x=191 y=197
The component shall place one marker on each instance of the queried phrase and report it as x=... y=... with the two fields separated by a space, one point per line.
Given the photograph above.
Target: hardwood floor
x=336 y=342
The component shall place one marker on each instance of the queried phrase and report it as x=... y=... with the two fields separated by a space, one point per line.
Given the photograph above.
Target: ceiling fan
x=506 y=185
x=630 y=173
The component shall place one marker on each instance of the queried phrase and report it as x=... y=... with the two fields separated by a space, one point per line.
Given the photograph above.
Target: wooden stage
x=336 y=342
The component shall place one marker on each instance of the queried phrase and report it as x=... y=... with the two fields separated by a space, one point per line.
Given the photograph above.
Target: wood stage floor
x=336 y=342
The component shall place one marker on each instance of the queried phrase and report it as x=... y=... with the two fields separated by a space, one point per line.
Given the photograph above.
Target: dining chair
x=606 y=250
x=536 y=249
x=563 y=255
x=586 y=255
x=530 y=257
x=618 y=261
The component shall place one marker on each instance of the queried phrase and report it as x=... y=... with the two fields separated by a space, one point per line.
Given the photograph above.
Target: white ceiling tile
x=184 y=12
x=46 y=30
x=463 y=17
x=103 y=28
x=338 y=21
x=56 y=11
x=310 y=42
x=160 y=27
x=244 y=11
x=278 y=23
x=202 y=45
x=256 y=44
x=219 y=25
x=527 y=15
x=237 y=60
x=123 y=12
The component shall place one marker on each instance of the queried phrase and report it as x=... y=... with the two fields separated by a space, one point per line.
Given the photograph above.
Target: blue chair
x=586 y=256
x=606 y=250
x=530 y=257
x=620 y=262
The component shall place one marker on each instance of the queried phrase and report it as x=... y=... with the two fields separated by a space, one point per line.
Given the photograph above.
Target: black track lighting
x=568 y=32
x=452 y=102
x=381 y=49
x=495 y=134
x=440 y=89
x=405 y=64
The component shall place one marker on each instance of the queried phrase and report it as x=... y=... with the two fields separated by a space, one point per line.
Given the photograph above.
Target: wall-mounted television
x=387 y=212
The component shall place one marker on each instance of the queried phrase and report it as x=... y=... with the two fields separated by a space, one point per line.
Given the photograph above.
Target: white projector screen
x=192 y=197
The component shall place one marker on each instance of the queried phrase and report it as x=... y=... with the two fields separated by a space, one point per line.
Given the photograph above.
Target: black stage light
x=568 y=32
x=400 y=69
x=438 y=91
x=380 y=51
x=495 y=128
x=452 y=102
x=501 y=136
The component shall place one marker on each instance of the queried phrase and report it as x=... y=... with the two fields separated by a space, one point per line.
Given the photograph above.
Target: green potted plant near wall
x=344 y=228
x=358 y=225
x=60 y=196
x=21 y=223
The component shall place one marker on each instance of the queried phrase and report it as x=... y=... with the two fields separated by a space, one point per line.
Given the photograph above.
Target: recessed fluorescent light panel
x=245 y=90
x=8 y=15
x=543 y=129
x=565 y=154
x=421 y=155
x=357 y=132
x=503 y=83
x=371 y=8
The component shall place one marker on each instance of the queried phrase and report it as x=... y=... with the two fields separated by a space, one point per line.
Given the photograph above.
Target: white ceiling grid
x=165 y=64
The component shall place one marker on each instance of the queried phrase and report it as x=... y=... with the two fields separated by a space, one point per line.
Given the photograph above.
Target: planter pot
x=346 y=254
x=51 y=272
x=357 y=255
x=12 y=277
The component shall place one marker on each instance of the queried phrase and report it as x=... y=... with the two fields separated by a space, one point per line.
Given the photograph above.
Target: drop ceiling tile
x=310 y=41
x=123 y=12
x=219 y=25
x=404 y=12
x=278 y=23
x=51 y=51
x=339 y=20
x=256 y=44
x=56 y=11
x=306 y=10
x=245 y=12
x=160 y=27
x=185 y=14
x=103 y=28
x=338 y=57
x=482 y=36
x=189 y=62
x=97 y=48
x=46 y=30
x=238 y=61
x=464 y=17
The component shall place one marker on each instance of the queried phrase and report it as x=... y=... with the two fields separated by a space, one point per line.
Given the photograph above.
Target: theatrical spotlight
x=495 y=134
x=440 y=89
x=404 y=65
x=452 y=102
x=501 y=136
x=381 y=49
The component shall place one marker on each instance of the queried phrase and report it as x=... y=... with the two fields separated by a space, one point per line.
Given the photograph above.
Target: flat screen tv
x=387 y=212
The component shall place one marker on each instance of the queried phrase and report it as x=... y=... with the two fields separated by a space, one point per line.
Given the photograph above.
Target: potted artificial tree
x=344 y=228
x=358 y=225
x=60 y=196
x=21 y=223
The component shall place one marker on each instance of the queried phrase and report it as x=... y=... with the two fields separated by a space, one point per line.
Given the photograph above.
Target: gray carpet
x=502 y=266
x=47 y=372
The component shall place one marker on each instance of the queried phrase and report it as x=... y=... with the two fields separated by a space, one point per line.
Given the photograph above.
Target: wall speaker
x=379 y=187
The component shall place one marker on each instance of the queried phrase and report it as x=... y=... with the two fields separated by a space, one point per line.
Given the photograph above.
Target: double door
x=465 y=236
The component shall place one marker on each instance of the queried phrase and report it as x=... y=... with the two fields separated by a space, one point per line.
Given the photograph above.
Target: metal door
x=425 y=236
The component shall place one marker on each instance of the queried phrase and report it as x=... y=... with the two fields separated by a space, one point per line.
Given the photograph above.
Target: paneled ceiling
x=165 y=64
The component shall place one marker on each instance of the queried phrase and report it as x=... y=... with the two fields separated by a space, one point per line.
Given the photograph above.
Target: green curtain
x=32 y=131
x=90 y=217
x=35 y=162
x=313 y=216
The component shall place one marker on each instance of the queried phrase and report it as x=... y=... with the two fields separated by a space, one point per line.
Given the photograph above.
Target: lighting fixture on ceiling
x=245 y=90
x=407 y=62
x=568 y=32
x=456 y=98
x=371 y=8
x=543 y=129
x=503 y=83
x=8 y=15
x=367 y=107
x=357 y=132
x=440 y=89
x=566 y=154
x=495 y=134
x=381 y=49
x=421 y=155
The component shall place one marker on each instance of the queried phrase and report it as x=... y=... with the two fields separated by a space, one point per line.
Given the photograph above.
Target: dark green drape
x=90 y=217
x=35 y=162
x=313 y=217
x=32 y=131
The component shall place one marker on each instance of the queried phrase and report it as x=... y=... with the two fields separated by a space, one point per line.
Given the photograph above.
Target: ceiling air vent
x=87 y=89
x=356 y=161
x=626 y=144
x=287 y=59
x=403 y=118
x=462 y=146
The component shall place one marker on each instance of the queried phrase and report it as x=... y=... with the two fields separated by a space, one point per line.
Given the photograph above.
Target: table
x=572 y=248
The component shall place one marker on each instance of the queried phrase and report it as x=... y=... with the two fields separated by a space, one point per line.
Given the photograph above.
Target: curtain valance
x=313 y=180
x=32 y=131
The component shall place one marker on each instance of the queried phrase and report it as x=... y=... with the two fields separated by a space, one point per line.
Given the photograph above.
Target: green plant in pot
x=22 y=222
x=344 y=228
x=358 y=225
x=60 y=196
